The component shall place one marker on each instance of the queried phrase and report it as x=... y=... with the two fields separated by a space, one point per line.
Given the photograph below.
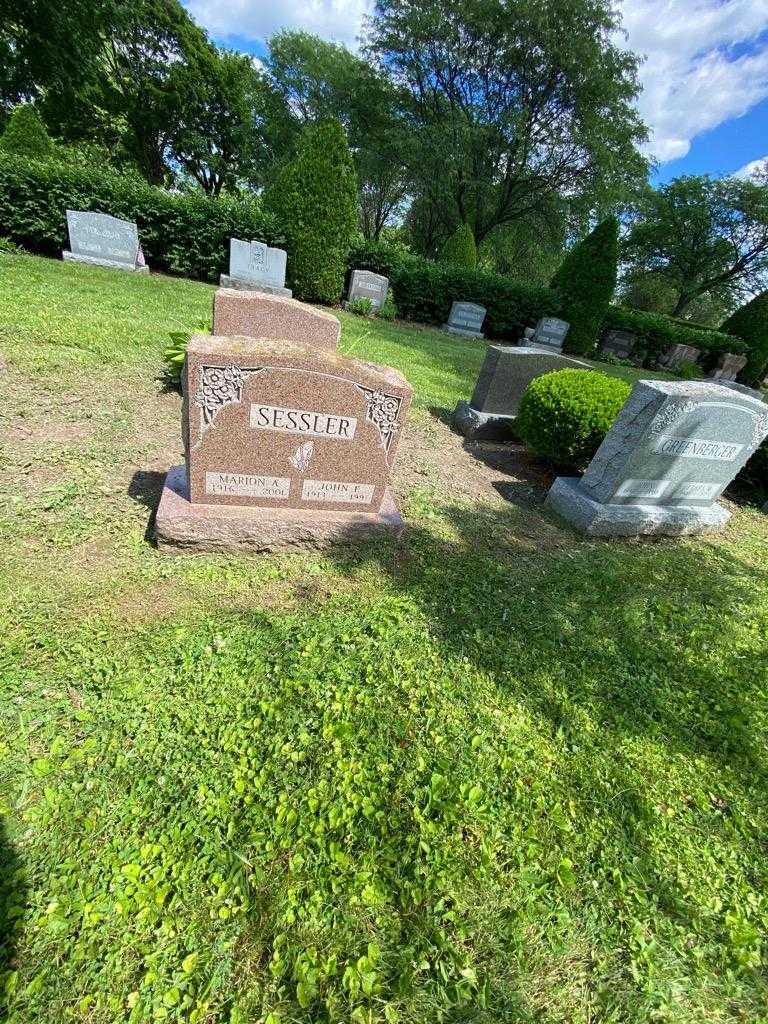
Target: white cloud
x=704 y=65
x=753 y=168
x=256 y=20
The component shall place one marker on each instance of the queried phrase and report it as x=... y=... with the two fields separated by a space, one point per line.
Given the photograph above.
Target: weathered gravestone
x=256 y=267
x=729 y=366
x=105 y=241
x=678 y=354
x=466 y=320
x=619 y=343
x=285 y=446
x=673 y=449
x=364 y=284
x=259 y=315
x=504 y=376
x=548 y=334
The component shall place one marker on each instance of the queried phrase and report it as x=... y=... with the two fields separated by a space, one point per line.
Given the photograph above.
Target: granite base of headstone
x=503 y=379
x=255 y=266
x=260 y=315
x=104 y=241
x=286 y=446
x=728 y=367
x=466 y=320
x=673 y=449
x=364 y=284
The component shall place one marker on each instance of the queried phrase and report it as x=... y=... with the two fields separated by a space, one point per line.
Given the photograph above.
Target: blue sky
x=704 y=76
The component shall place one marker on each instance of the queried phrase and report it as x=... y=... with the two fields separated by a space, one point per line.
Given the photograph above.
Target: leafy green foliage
x=750 y=324
x=175 y=351
x=315 y=201
x=388 y=309
x=360 y=306
x=565 y=415
x=26 y=135
x=585 y=283
x=184 y=233
x=460 y=249
x=657 y=333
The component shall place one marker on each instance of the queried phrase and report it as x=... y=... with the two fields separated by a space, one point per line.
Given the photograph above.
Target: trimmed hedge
x=750 y=322
x=424 y=290
x=185 y=233
x=565 y=415
x=657 y=333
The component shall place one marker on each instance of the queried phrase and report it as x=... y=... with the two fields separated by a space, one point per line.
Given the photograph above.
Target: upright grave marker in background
x=548 y=334
x=466 y=320
x=256 y=267
x=285 y=446
x=105 y=241
x=673 y=449
x=363 y=284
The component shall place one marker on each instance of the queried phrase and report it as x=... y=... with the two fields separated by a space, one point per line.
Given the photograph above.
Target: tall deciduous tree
x=703 y=235
x=512 y=102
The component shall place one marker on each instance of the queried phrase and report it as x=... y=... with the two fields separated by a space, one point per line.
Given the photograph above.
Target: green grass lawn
x=495 y=773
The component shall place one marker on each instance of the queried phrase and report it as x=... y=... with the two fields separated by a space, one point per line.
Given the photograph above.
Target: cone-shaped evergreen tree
x=750 y=323
x=26 y=135
x=460 y=249
x=586 y=282
x=315 y=202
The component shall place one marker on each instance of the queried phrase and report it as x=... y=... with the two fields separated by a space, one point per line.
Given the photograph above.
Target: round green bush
x=566 y=414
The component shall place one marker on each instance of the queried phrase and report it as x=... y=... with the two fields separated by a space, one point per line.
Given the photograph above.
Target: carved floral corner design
x=382 y=410
x=219 y=386
x=670 y=414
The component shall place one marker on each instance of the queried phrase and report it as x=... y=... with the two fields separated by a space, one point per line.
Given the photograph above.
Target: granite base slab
x=462 y=332
x=602 y=520
x=74 y=257
x=225 y=281
x=481 y=426
x=181 y=526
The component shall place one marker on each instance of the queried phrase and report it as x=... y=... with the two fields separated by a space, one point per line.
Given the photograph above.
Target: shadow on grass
x=12 y=902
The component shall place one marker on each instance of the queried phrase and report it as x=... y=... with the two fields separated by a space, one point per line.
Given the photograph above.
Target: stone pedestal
x=75 y=257
x=504 y=376
x=181 y=526
x=674 y=448
x=226 y=281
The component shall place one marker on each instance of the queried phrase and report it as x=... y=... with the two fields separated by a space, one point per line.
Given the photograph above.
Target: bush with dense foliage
x=26 y=135
x=586 y=282
x=460 y=249
x=565 y=415
x=186 y=233
x=657 y=333
x=315 y=201
x=750 y=324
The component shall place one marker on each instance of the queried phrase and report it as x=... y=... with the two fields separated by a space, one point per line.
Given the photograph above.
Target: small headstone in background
x=285 y=446
x=260 y=315
x=256 y=266
x=678 y=354
x=105 y=241
x=466 y=320
x=729 y=366
x=619 y=343
x=549 y=334
x=364 y=284
x=504 y=376
x=674 y=448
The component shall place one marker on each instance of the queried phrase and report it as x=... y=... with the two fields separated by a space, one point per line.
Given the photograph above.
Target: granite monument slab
x=619 y=343
x=673 y=449
x=256 y=266
x=105 y=241
x=503 y=379
x=728 y=367
x=285 y=445
x=466 y=320
x=364 y=284
x=678 y=354
x=260 y=315
x=549 y=334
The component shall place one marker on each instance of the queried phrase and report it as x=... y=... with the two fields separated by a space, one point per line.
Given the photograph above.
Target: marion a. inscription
x=302 y=421
x=246 y=485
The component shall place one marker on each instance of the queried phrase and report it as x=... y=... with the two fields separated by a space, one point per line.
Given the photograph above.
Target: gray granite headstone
x=550 y=333
x=364 y=284
x=504 y=377
x=678 y=354
x=619 y=343
x=729 y=366
x=103 y=240
x=466 y=320
x=674 y=448
x=256 y=266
